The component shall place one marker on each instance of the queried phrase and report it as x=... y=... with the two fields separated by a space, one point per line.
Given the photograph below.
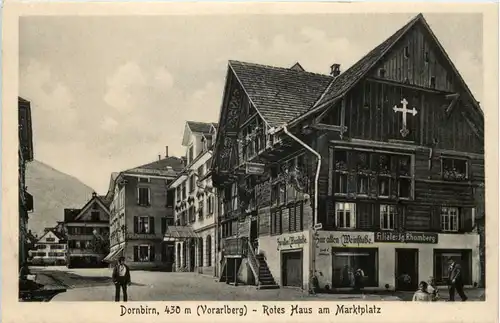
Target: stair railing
x=253 y=262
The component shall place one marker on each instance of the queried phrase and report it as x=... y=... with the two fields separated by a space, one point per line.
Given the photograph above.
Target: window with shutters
x=276 y=222
x=449 y=219
x=143 y=196
x=295 y=223
x=345 y=215
x=143 y=225
x=388 y=214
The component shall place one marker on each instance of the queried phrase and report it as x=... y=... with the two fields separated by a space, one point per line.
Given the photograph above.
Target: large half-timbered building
x=376 y=168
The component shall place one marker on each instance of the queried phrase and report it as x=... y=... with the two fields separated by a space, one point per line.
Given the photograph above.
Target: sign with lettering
x=345 y=239
x=289 y=242
x=407 y=237
x=254 y=168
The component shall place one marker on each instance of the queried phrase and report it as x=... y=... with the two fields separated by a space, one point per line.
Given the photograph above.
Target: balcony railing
x=236 y=246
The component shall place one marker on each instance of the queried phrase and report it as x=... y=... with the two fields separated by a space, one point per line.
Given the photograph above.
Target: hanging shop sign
x=407 y=237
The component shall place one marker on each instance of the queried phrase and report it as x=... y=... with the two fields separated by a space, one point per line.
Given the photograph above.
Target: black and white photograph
x=253 y=157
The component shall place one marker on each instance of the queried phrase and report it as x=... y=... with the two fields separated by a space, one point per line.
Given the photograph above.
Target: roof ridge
x=399 y=32
x=279 y=68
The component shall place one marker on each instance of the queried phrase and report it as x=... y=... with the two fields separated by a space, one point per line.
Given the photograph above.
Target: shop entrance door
x=406 y=270
x=291 y=268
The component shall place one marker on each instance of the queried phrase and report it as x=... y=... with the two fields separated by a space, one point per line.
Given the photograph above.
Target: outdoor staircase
x=262 y=274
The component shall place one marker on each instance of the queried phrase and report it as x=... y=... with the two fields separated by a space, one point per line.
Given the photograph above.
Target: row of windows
x=346 y=216
x=288 y=219
x=52 y=246
x=80 y=244
x=50 y=254
x=182 y=190
x=146 y=224
x=86 y=230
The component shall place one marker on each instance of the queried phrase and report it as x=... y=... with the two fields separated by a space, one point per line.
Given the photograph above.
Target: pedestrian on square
x=455 y=280
x=121 y=279
x=432 y=289
x=422 y=295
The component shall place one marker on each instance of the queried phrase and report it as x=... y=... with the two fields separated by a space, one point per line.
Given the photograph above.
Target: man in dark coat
x=121 y=279
x=455 y=280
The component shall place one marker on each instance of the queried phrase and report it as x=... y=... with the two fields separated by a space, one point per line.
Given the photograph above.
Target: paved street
x=95 y=285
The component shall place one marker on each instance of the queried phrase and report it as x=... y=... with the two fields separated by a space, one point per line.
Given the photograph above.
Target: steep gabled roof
x=200 y=127
x=279 y=94
x=345 y=81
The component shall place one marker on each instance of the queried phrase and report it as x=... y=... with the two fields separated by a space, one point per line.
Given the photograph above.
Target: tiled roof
x=166 y=166
x=352 y=75
x=70 y=214
x=201 y=127
x=279 y=94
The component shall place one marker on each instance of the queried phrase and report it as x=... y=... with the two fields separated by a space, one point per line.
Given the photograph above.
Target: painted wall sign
x=291 y=242
x=407 y=237
x=346 y=239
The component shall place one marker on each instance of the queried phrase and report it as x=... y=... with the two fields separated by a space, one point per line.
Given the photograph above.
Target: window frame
x=352 y=218
x=391 y=213
x=148 y=203
x=139 y=259
x=139 y=223
x=452 y=218
x=453 y=160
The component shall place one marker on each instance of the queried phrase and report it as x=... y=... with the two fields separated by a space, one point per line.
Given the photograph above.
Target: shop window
x=345 y=262
x=144 y=253
x=454 y=169
x=345 y=215
x=449 y=219
x=442 y=264
x=388 y=215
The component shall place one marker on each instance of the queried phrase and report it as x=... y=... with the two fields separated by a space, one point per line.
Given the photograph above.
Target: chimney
x=335 y=70
x=94 y=194
x=166 y=151
x=159 y=157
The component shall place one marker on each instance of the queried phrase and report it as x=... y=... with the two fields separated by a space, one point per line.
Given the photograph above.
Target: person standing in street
x=121 y=279
x=455 y=280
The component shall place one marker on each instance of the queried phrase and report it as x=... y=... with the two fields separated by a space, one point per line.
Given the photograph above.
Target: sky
x=110 y=93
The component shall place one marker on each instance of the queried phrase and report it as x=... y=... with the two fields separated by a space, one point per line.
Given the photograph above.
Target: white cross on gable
x=404 y=131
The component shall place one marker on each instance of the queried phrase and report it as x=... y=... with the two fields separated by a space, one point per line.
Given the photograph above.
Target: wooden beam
x=328 y=127
x=454 y=99
x=408 y=86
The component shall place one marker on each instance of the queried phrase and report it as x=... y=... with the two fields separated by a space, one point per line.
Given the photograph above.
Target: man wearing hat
x=121 y=279
x=455 y=280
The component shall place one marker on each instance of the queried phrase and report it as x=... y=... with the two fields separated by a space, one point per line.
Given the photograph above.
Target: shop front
x=287 y=257
x=393 y=261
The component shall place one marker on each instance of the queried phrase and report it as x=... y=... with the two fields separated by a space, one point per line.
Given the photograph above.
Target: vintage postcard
x=221 y=162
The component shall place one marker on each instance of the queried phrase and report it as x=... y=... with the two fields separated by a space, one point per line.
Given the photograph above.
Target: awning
x=179 y=232
x=113 y=255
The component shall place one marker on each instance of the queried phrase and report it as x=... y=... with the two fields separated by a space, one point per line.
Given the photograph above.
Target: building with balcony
x=87 y=233
x=25 y=154
x=50 y=249
x=379 y=168
x=140 y=212
x=195 y=207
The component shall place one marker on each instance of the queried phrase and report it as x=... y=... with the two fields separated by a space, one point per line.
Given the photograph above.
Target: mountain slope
x=52 y=191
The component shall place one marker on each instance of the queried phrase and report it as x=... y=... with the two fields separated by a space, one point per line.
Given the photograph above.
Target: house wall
x=386 y=255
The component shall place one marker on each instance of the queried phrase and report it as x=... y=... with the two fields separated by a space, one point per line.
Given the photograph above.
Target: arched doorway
x=200 y=252
x=209 y=251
